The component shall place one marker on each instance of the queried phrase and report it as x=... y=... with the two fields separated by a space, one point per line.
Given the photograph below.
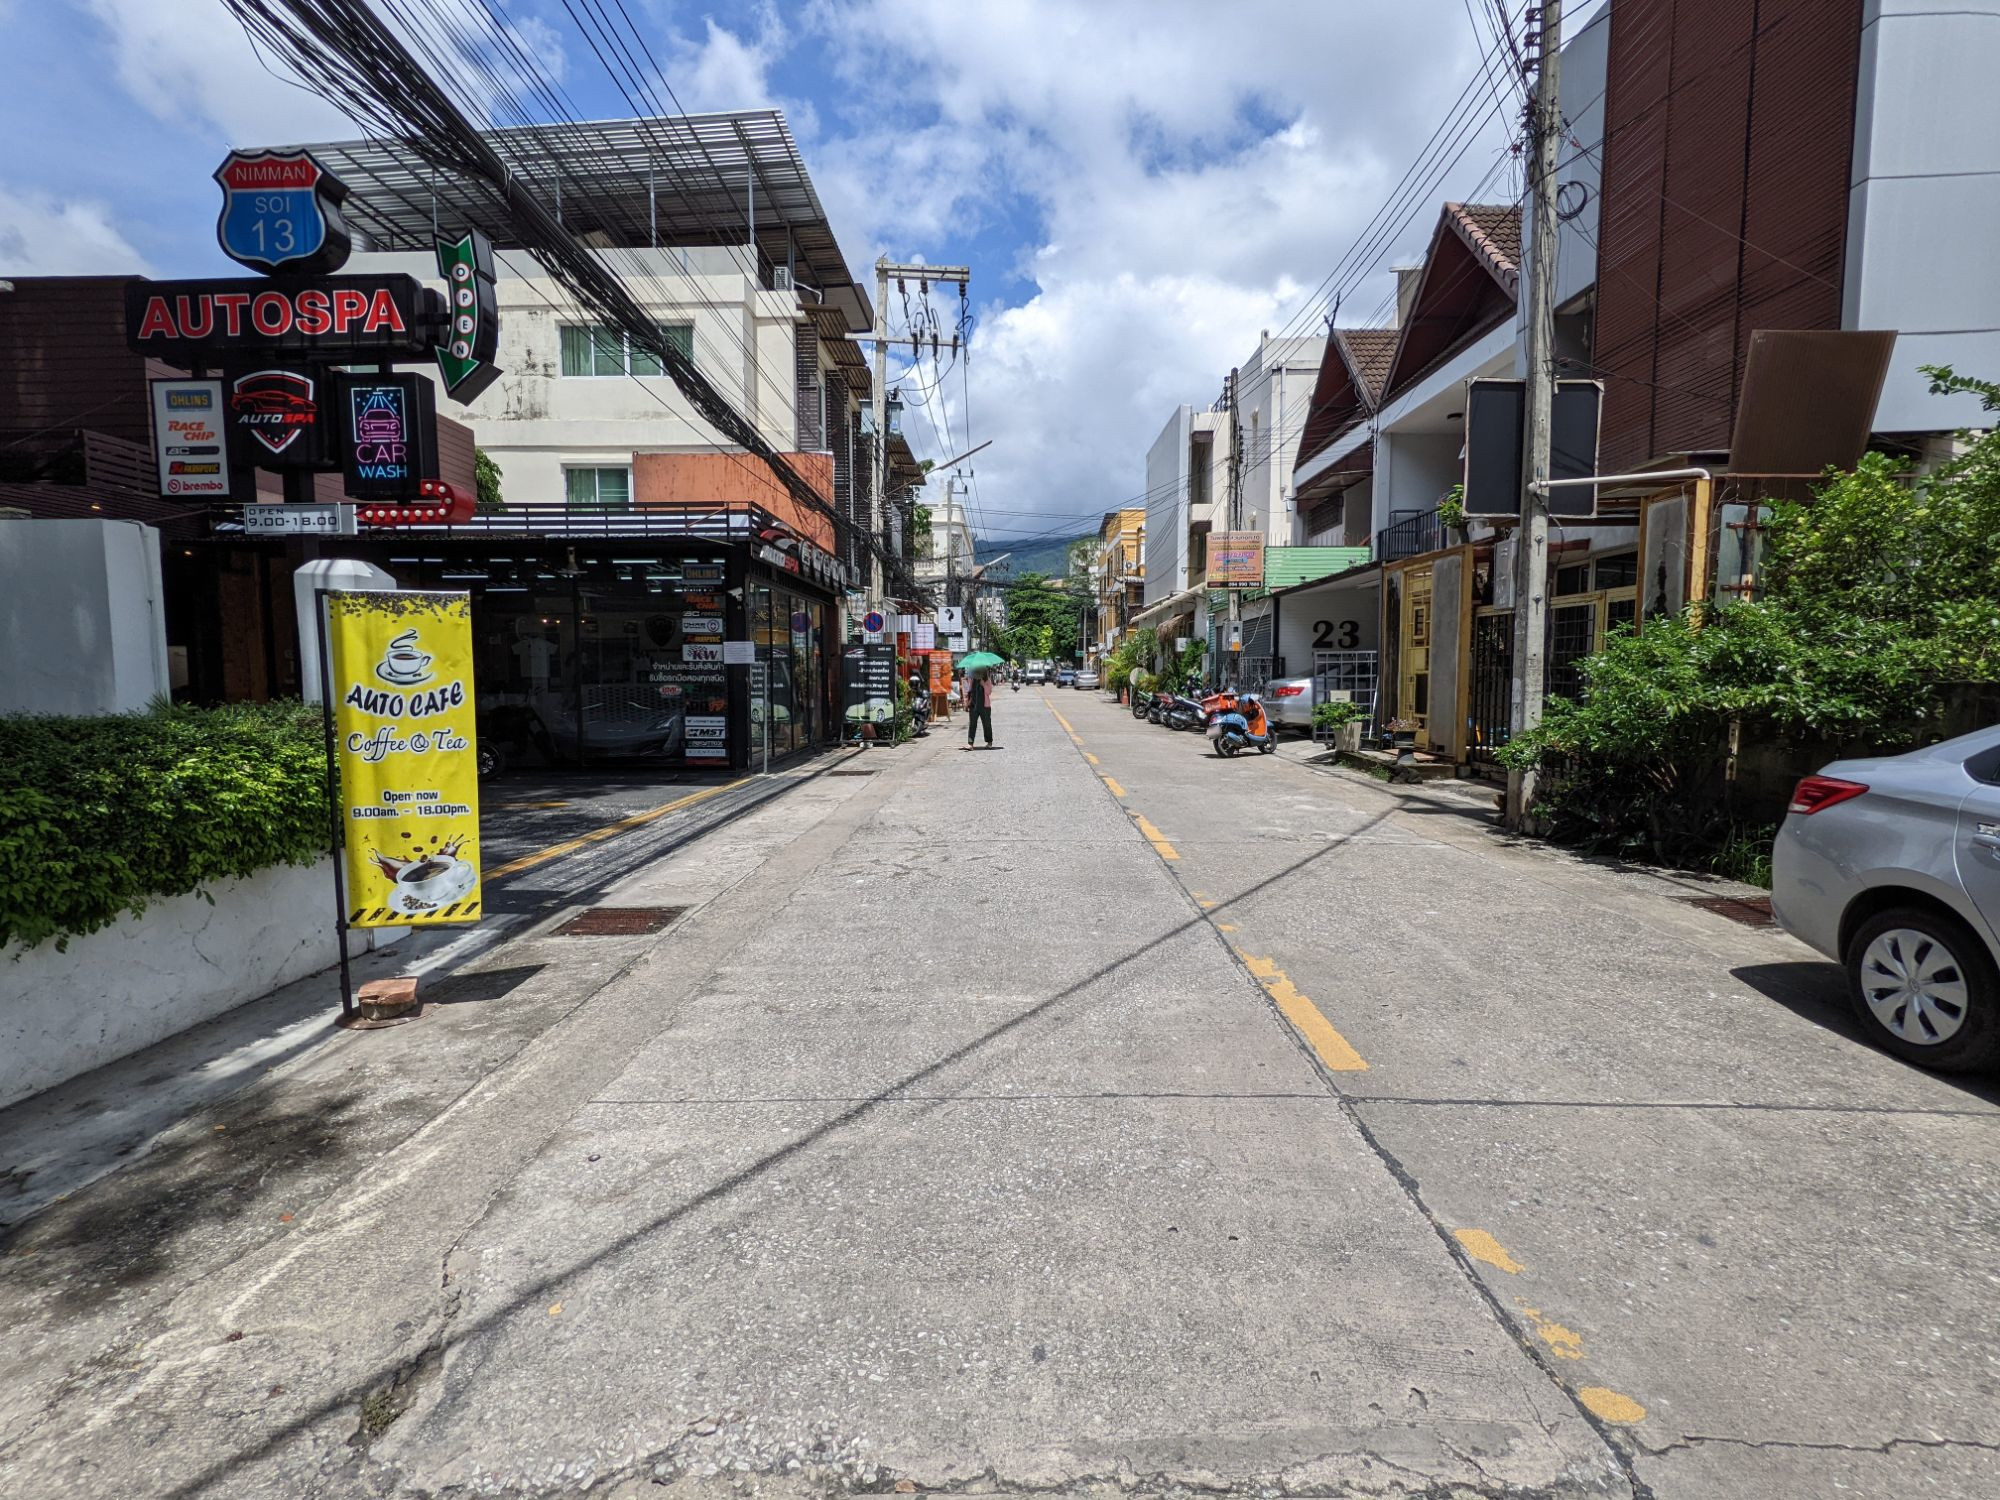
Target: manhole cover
x=619 y=921
x=1751 y=911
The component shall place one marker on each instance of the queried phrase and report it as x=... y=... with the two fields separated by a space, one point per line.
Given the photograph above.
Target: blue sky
x=1140 y=186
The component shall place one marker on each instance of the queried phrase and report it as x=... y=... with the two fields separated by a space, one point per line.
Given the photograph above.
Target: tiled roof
x=1369 y=353
x=1494 y=229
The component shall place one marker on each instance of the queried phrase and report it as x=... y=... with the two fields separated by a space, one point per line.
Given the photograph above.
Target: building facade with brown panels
x=1729 y=131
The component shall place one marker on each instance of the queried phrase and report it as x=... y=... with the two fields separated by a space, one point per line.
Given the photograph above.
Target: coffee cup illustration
x=428 y=881
x=405 y=663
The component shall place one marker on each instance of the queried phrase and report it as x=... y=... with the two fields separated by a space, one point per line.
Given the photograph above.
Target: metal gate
x=1352 y=676
x=1492 y=698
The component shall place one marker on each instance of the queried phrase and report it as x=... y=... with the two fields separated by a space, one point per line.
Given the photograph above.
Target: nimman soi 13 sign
x=401 y=677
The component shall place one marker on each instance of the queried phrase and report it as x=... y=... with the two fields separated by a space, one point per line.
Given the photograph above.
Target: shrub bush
x=98 y=816
x=1878 y=598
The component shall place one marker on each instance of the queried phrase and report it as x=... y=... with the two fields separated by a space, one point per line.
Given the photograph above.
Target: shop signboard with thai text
x=1236 y=560
x=868 y=683
x=400 y=671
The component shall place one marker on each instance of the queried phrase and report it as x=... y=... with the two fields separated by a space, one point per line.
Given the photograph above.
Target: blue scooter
x=1237 y=722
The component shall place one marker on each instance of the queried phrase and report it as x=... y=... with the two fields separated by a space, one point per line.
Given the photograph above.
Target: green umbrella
x=978 y=661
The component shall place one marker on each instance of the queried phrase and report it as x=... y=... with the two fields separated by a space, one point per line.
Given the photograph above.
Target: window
x=598 y=489
x=593 y=349
x=1619 y=571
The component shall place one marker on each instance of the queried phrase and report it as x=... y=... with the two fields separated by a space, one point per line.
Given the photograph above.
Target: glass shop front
x=612 y=657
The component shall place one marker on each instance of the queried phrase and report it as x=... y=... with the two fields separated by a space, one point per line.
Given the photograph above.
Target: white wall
x=1924 y=214
x=146 y=978
x=1300 y=616
x=1413 y=470
x=1167 y=507
x=81 y=617
x=535 y=421
x=1273 y=394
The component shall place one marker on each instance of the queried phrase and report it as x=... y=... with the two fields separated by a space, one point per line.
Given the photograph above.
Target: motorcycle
x=1236 y=721
x=1183 y=712
x=1141 y=700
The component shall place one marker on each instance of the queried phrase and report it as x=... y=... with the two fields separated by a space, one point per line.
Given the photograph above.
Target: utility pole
x=878 y=481
x=878 y=468
x=1531 y=537
x=1234 y=640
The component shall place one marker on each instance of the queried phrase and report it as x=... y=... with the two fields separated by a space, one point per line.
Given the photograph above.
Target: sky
x=1140 y=187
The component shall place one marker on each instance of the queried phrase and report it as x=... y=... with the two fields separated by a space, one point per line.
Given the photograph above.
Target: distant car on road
x=1065 y=676
x=1288 y=702
x=1086 y=679
x=1891 y=866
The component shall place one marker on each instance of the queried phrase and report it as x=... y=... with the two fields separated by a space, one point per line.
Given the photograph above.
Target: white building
x=736 y=262
x=1187 y=474
x=1273 y=391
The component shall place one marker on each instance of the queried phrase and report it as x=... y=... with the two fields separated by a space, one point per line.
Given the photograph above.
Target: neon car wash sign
x=368 y=317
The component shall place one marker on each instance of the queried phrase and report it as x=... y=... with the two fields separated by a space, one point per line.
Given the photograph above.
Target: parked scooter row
x=1233 y=721
x=1174 y=710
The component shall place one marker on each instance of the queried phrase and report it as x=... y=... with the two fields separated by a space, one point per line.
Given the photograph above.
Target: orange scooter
x=1236 y=721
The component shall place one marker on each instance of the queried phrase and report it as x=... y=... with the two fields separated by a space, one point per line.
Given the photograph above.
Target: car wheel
x=492 y=759
x=1924 y=988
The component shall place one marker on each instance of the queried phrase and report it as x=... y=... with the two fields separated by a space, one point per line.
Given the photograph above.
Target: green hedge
x=99 y=816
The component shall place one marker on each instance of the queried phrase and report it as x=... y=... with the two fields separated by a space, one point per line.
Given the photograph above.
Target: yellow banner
x=408 y=753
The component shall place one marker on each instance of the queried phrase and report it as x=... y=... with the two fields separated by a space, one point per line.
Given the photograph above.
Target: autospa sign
x=188 y=437
x=352 y=318
x=281 y=339
x=401 y=672
x=281 y=213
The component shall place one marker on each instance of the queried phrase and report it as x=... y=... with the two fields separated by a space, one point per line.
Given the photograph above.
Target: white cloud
x=44 y=236
x=190 y=62
x=1190 y=173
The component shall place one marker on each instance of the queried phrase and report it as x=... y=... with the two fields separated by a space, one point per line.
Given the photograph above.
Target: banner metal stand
x=336 y=829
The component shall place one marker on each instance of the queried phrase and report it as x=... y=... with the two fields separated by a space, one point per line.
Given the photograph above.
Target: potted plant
x=1451 y=514
x=1402 y=733
x=1343 y=719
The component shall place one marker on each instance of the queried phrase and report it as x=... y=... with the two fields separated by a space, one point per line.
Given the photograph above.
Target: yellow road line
x=1225 y=926
x=610 y=830
x=1333 y=1048
x=527 y=804
x=1116 y=789
x=1089 y=757
x=1610 y=1406
x=1482 y=1247
x=1157 y=839
x=1061 y=720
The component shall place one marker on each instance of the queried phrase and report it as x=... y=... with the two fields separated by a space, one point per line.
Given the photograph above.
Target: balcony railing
x=1410 y=533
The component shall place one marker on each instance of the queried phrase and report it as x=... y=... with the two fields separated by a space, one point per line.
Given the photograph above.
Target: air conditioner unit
x=781 y=278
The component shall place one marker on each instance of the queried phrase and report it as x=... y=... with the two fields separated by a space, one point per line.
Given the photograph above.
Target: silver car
x=1288 y=702
x=1891 y=866
x=1086 y=679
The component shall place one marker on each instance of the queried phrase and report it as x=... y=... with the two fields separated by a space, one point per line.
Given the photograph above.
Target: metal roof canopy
x=664 y=180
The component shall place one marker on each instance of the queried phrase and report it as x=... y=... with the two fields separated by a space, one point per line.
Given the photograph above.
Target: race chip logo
x=276 y=407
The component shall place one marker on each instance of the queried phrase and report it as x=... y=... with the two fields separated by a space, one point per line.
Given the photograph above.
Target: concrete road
x=1762 y=1255
x=1084 y=1114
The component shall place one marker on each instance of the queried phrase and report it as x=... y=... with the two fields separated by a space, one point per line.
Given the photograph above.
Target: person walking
x=979 y=707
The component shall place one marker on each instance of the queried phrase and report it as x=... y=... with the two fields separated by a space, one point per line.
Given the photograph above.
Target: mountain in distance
x=1048 y=557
